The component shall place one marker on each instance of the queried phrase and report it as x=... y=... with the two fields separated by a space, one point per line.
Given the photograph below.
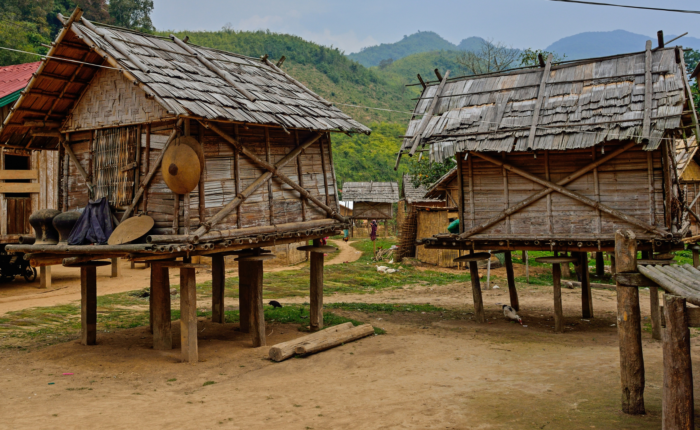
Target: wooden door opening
x=19 y=205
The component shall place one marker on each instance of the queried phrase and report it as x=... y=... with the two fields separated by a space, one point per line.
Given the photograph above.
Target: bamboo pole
x=80 y=169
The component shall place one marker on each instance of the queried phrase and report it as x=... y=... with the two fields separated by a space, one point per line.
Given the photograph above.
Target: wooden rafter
x=574 y=195
x=538 y=195
x=428 y=115
x=538 y=103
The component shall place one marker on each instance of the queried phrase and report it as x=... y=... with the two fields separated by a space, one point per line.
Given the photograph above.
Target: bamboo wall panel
x=76 y=188
x=47 y=164
x=431 y=223
x=112 y=100
x=623 y=185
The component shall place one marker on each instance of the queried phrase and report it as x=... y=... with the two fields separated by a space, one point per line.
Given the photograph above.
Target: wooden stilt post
x=160 y=308
x=88 y=305
x=257 y=314
x=565 y=268
x=677 y=401
x=629 y=328
x=188 y=315
x=116 y=270
x=586 y=294
x=244 y=298
x=514 y=302
x=558 y=310
x=599 y=265
x=476 y=292
x=316 y=290
x=218 y=281
x=654 y=304
x=613 y=267
x=527 y=267
x=45 y=277
x=696 y=255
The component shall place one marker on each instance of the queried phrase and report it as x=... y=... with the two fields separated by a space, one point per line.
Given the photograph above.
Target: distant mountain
x=473 y=43
x=603 y=43
x=423 y=63
x=423 y=41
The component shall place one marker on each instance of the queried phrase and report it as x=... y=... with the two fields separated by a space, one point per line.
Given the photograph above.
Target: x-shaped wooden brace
x=559 y=187
x=272 y=170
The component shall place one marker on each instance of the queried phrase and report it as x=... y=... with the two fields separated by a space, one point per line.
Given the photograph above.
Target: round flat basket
x=320 y=248
x=181 y=169
x=131 y=229
x=555 y=260
x=95 y=263
x=479 y=256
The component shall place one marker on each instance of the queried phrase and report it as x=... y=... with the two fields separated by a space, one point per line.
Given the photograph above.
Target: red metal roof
x=14 y=78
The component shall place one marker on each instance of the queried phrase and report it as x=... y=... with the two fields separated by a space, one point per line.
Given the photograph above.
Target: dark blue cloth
x=94 y=225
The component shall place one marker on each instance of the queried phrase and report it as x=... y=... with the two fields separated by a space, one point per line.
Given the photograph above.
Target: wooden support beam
x=510 y=275
x=270 y=196
x=116 y=268
x=418 y=135
x=212 y=67
x=300 y=175
x=538 y=103
x=257 y=313
x=160 y=309
x=576 y=196
x=316 y=289
x=146 y=167
x=152 y=172
x=677 y=404
x=479 y=315
x=244 y=294
x=188 y=316
x=77 y=165
x=648 y=93
x=629 y=328
x=218 y=281
x=45 y=277
x=558 y=309
x=201 y=192
x=586 y=294
x=537 y=196
x=88 y=305
x=599 y=265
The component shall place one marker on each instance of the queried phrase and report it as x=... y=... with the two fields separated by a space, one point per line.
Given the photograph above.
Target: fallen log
x=575 y=284
x=285 y=350
x=327 y=342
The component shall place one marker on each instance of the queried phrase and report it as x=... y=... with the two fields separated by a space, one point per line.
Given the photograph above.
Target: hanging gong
x=131 y=229
x=196 y=147
x=181 y=168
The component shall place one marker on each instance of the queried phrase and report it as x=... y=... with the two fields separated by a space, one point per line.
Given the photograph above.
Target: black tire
x=29 y=274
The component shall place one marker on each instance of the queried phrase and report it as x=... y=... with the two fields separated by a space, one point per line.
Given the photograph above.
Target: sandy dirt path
x=65 y=286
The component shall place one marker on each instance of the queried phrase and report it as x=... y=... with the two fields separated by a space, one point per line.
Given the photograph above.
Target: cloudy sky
x=353 y=24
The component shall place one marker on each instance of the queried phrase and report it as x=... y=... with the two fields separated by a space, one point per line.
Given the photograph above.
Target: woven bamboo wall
x=692 y=188
x=112 y=100
x=431 y=223
x=623 y=185
x=220 y=178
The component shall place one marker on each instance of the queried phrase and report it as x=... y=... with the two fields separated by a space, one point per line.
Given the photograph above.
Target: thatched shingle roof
x=437 y=190
x=376 y=192
x=414 y=194
x=585 y=103
x=180 y=81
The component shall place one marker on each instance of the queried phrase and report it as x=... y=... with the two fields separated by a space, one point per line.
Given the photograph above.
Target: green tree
x=530 y=57
x=23 y=36
x=424 y=172
x=133 y=14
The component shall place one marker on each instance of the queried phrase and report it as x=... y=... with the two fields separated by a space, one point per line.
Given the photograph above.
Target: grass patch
x=383 y=307
x=208 y=383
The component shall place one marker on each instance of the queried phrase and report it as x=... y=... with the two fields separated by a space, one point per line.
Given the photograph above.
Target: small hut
x=371 y=201
x=559 y=157
x=28 y=179
x=412 y=221
x=115 y=104
x=688 y=168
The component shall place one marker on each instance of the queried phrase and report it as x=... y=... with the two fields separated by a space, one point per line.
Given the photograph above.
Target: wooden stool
x=556 y=282
x=316 y=282
x=473 y=259
x=88 y=300
x=250 y=267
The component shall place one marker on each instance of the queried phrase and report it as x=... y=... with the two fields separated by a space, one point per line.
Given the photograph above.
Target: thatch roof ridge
x=376 y=192
x=585 y=102
x=413 y=194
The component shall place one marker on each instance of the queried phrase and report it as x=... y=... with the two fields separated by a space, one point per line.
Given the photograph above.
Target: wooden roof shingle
x=585 y=103
x=376 y=192
x=414 y=194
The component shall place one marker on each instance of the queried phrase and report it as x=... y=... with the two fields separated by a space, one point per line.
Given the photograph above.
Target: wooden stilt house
x=560 y=157
x=28 y=179
x=371 y=201
x=687 y=158
x=114 y=103
x=411 y=221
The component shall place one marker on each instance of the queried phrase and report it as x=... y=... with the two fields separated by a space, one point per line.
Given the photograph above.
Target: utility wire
x=58 y=58
x=367 y=107
x=628 y=6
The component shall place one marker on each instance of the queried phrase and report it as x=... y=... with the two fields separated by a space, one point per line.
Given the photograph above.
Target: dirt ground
x=431 y=370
